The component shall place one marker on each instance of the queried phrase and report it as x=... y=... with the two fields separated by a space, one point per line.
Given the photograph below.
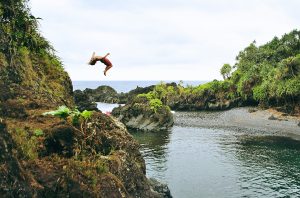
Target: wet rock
x=252 y=110
x=272 y=117
x=161 y=188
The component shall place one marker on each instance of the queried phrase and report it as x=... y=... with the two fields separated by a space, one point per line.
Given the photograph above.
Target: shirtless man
x=103 y=60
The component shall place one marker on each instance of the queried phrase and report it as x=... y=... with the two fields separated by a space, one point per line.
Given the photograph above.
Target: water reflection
x=219 y=162
x=154 y=150
x=269 y=166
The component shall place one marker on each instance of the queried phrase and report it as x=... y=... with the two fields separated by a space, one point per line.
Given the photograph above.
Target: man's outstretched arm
x=106 y=55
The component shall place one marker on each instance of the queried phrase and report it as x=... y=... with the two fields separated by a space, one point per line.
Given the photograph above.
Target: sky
x=160 y=39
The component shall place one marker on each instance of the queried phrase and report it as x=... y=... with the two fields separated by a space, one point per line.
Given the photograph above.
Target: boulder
x=160 y=187
x=83 y=102
x=140 y=115
x=272 y=117
x=102 y=94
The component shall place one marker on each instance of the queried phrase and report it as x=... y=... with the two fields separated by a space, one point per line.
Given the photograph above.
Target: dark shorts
x=106 y=62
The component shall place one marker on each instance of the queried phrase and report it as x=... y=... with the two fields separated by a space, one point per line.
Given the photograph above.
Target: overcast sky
x=160 y=39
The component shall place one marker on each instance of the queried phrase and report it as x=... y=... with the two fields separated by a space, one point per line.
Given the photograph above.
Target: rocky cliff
x=61 y=161
x=45 y=156
x=31 y=75
x=145 y=114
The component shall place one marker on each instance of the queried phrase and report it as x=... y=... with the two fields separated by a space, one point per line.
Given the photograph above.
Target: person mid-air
x=103 y=60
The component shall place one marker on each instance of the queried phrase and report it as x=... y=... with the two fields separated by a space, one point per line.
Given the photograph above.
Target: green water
x=207 y=162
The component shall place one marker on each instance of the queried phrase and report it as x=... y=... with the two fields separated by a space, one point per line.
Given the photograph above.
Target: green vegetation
x=268 y=75
x=155 y=104
x=20 y=35
x=38 y=132
x=62 y=112
x=76 y=117
x=28 y=64
x=27 y=144
x=153 y=100
x=225 y=71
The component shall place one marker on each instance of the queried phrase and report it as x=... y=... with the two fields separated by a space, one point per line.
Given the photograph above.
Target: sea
x=126 y=86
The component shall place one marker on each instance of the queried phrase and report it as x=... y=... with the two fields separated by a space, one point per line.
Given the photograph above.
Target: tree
x=226 y=71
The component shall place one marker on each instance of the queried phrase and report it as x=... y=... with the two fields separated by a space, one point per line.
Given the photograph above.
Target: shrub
x=62 y=112
x=76 y=116
x=155 y=104
x=38 y=132
x=27 y=143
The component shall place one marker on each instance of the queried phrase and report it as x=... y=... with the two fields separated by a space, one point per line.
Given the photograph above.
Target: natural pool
x=204 y=156
x=216 y=162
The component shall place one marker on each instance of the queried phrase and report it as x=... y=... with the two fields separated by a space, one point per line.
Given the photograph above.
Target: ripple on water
x=202 y=162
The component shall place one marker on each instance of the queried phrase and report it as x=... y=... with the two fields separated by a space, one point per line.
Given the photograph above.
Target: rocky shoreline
x=140 y=115
x=140 y=118
x=244 y=118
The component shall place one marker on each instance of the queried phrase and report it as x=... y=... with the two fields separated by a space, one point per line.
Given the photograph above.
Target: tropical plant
x=225 y=71
x=77 y=117
x=62 y=112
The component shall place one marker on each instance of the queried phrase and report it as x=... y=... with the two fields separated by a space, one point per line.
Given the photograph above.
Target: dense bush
x=267 y=74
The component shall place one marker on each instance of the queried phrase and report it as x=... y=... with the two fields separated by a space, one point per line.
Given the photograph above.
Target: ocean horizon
x=126 y=85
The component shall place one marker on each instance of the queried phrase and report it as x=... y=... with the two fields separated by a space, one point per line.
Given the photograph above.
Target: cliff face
x=143 y=114
x=103 y=162
x=31 y=75
x=31 y=81
x=13 y=182
x=44 y=156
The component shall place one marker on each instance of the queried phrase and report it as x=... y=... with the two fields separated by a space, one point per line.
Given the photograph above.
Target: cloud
x=160 y=40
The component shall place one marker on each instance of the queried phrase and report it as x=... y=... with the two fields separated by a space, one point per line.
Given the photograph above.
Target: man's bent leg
x=106 y=69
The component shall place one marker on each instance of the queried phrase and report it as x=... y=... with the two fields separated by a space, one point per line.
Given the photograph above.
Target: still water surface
x=206 y=162
x=214 y=162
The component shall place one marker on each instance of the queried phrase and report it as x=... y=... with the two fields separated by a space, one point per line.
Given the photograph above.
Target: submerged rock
x=140 y=115
x=160 y=187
